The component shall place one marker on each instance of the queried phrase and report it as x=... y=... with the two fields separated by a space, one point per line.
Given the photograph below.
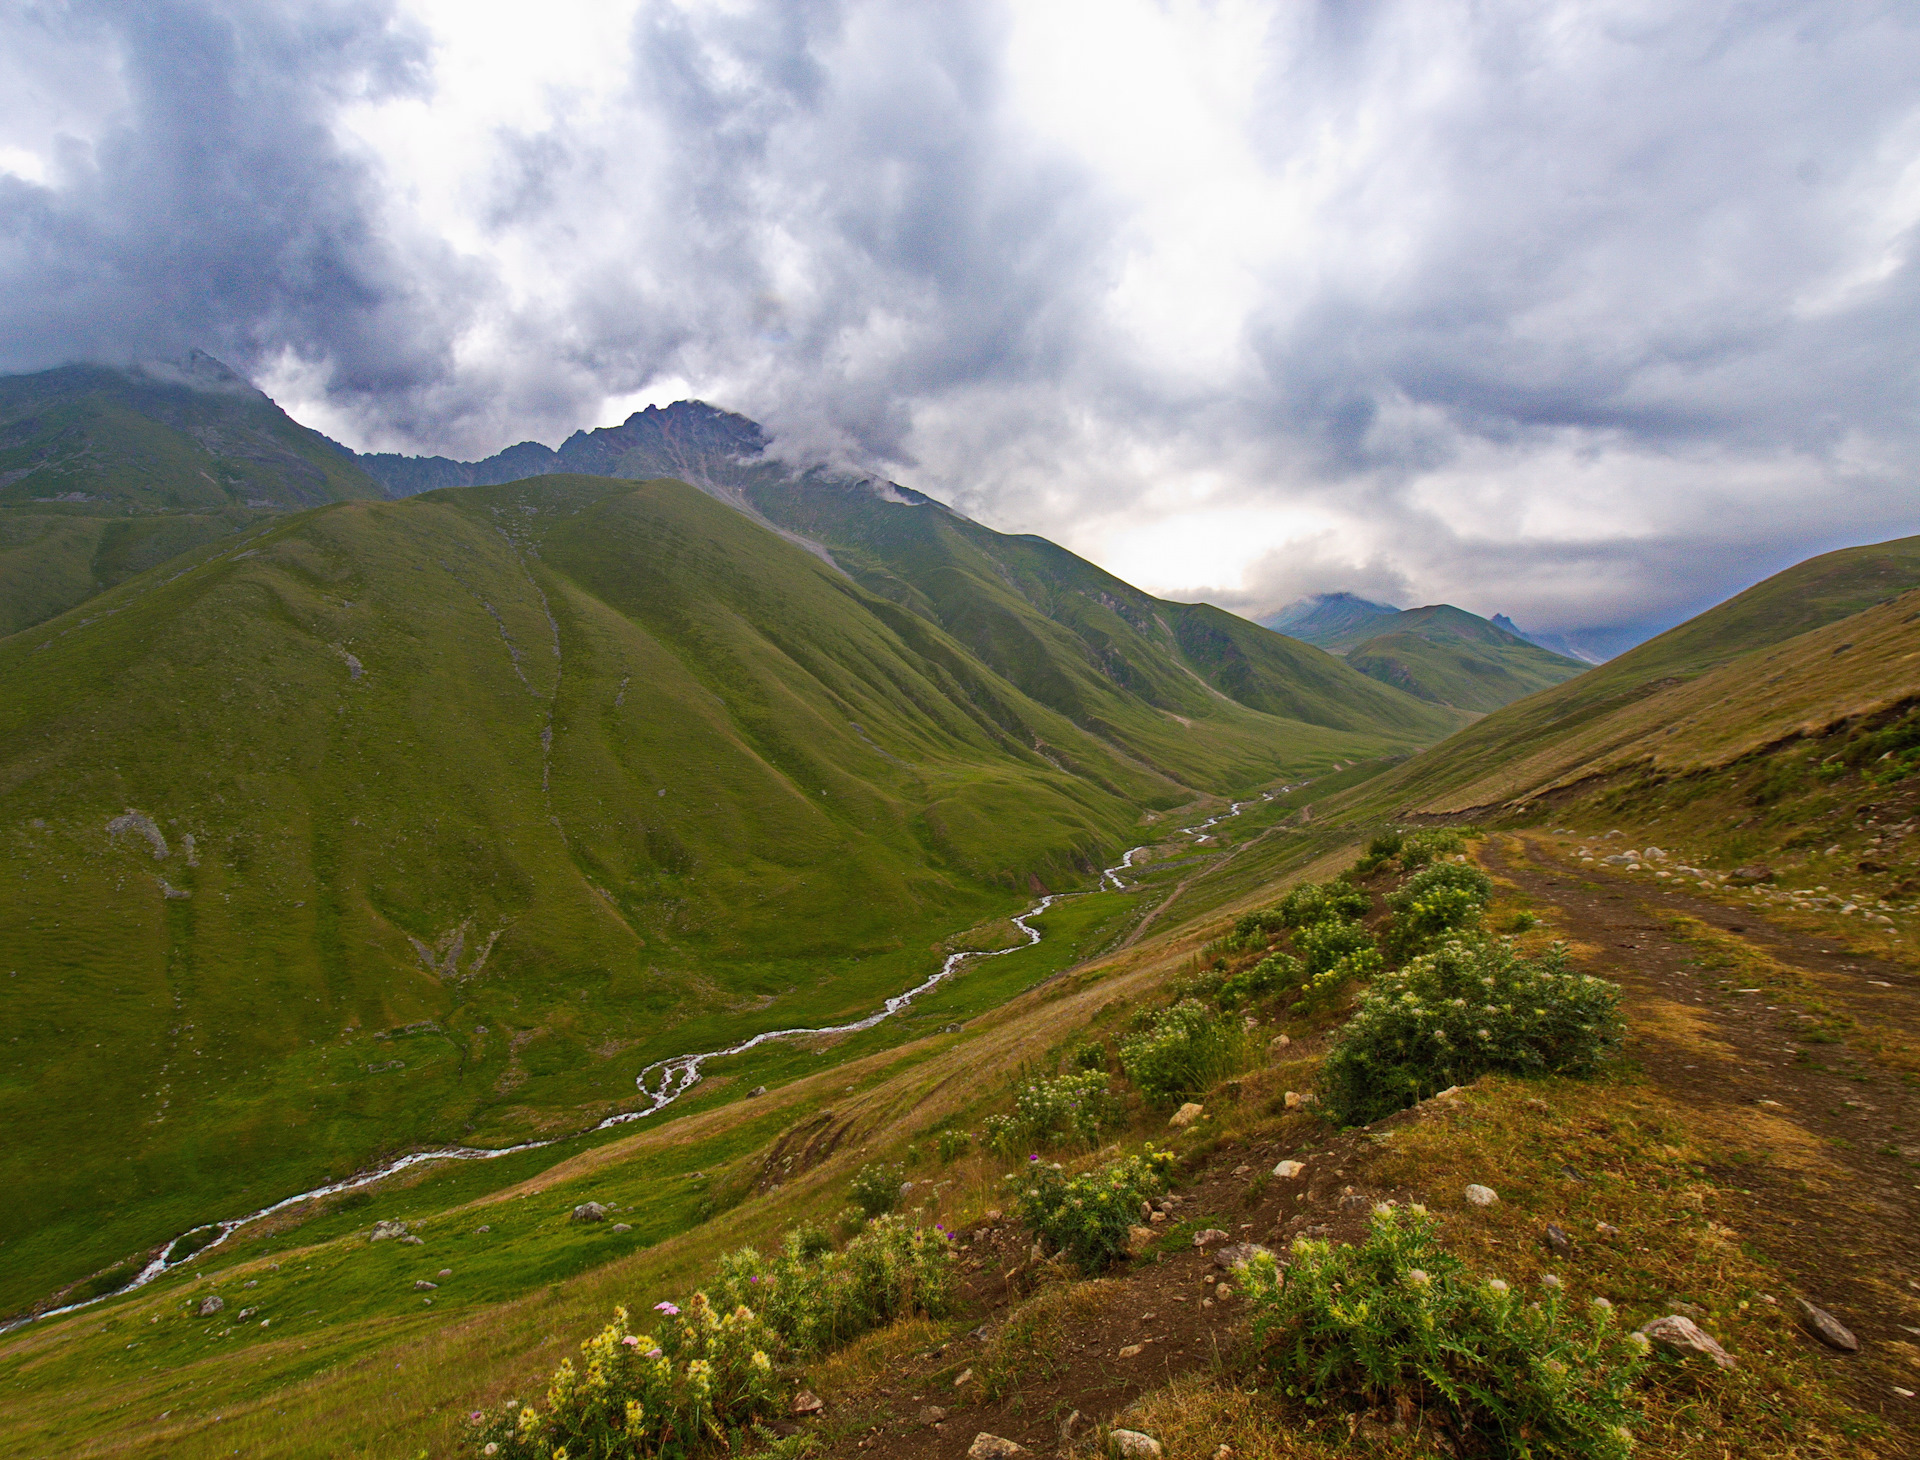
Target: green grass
x=1452 y=657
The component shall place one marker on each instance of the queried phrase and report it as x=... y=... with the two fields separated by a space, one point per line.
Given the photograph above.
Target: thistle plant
x=1460 y=1011
x=1531 y=1375
x=1443 y=901
x=1188 y=1047
x=1072 y=1110
x=1086 y=1216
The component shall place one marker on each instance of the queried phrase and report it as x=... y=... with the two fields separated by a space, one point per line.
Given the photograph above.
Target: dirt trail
x=1848 y=1237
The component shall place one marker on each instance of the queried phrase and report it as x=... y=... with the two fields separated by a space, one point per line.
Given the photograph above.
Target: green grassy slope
x=494 y=796
x=1068 y=633
x=1557 y=727
x=104 y=473
x=1452 y=657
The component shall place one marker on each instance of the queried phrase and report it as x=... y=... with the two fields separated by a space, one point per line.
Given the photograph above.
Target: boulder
x=1138 y=1238
x=756 y=1090
x=383 y=1230
x=1133 y=1445
x=1185 y=1116
x=1558 y=1240
x=421 y=1285
x=1683 y=1335
x=1749 y=876
x=589 y=1211
x=807 y=1402
x=1825 y=1327
x=1209 y=1237
x=931 y=1414
x=412 y=1241
x=1239 y=1254
x=621 y=1227
x=992 y=1447
x=1481 y=1196
x=210 y=1305
x=1287 y=1170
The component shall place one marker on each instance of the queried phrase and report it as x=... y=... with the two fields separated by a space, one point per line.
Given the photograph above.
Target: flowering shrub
x=1188 y=1048
x=1387 y=844
x=1273 y=974
x=1445 y=899
x=1333 y=952
x=1087 y=1216
x=1317 y=902
x=1074 y=1110
x=1422 y=847
x=816 y=1299
x=876 y=1188
x=1397 y=1316
x=953 y=1143
x=1466 y=1008
x=679 y=1390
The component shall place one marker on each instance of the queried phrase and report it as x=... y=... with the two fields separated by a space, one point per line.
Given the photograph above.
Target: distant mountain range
x=1438 y=653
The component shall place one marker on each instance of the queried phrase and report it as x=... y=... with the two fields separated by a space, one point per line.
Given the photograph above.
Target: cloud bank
x=1588 y=313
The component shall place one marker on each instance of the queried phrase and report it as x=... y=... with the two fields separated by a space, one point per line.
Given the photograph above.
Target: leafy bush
x=641 y=1395
x=1423 y=847
x=816 y=1299
x=1317 y=902
x=1441 y=901
x=1070 y=1110
x=1254 y=930
x=1332 y=953
x=953 y=1143
x=1273 y=974
x=876 y=1188
x=1188 y=1048
x=1451 y=1015
x=1088 y=1056
x=1087 y=1216
x=1383 y=847
x=1396 y=1316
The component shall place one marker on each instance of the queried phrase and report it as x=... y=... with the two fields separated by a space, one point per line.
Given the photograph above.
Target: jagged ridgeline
x=400 y=823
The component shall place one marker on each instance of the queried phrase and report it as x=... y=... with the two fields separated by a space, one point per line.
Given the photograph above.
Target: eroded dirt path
x=1729 y=1012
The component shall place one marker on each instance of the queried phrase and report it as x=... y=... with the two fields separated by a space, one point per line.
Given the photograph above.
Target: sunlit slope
x=1549 y=736
x=1076 y=637
x=494 y=796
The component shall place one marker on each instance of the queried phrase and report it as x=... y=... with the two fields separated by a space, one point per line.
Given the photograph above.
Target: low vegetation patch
x=876 y=1188
x=1463 y=1010
x=1086 y=1216
x=1438 y=902
x=1398 y=1322
x=1071 y=1110
x=1186 y=1048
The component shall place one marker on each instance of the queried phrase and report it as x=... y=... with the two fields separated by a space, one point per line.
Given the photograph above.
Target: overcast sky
x=1585 y=313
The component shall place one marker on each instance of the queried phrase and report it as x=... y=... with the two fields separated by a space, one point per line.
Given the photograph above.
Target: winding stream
x=677 y=1075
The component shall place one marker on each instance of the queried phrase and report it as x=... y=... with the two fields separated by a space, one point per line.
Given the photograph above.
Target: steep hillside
x=1586 y=722
x=1452 y=657
x=104 y=473
x=1073 y=637
x=400 y=823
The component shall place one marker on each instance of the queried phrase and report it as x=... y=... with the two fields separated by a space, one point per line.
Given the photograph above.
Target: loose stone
x=1825 y=1327
x=1133 y=1445
x=992 y=1447
x=1685 y=1336
x=1481 y=1196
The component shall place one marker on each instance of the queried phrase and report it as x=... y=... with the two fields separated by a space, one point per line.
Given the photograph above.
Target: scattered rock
x=1287 y=1170
x=966 y=1378
x=1684 y=1335
x=589 y=1211
x=807 y=1402
x=421 y=1285
x=1209 y=1237
x=992 y=1447
x=756 y=1090
x=478 y=1230
x=1225 y=1452
x=1748 y=876
x=1825 y=1327
x=621 y=1227
x=1295 y=1099
x=446 y=1272
x=931 y=1414
x=1558 y=1240
x=211 y=1304
x=1279 y=1041
x=1071 y=1426
x=1482 y=1196
x=1239 y=1254
x=1606 y=1229
x=1186 y=1115
x=1138 y=1238
x=1132 y=1351
x=412 y=1241
x=383 y=1230
x=1133 y=1445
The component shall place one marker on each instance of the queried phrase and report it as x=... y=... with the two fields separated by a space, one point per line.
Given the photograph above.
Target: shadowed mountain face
x=1439 y=653
x=105 y=473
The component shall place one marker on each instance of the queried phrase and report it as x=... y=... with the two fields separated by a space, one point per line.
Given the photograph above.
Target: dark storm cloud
x=1584 y=312
x=208 y=202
